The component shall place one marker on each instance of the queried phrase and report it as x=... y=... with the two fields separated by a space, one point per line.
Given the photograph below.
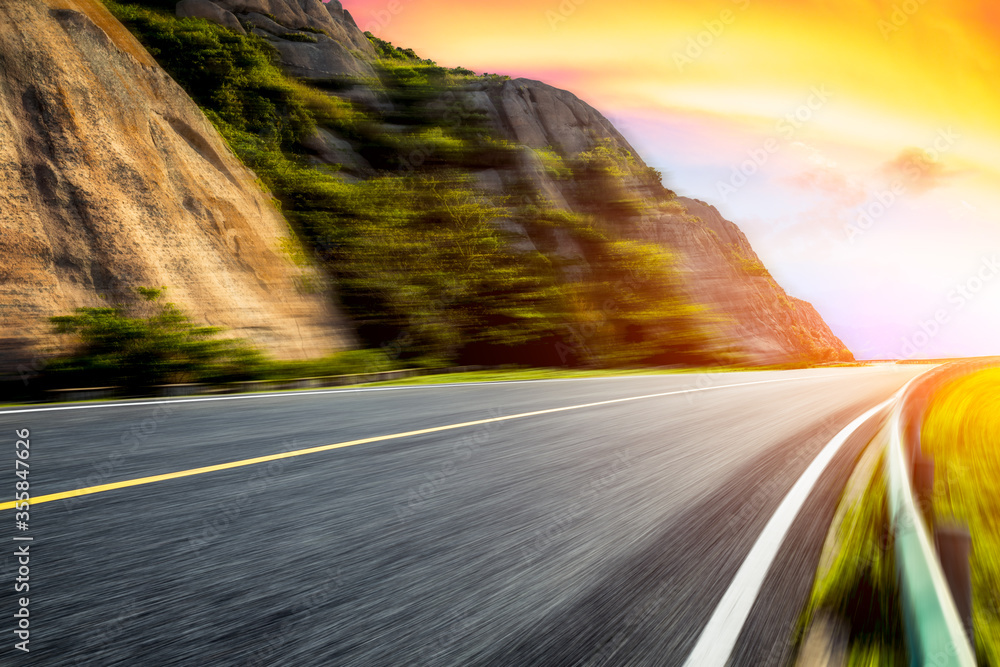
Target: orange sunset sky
x=867 y=133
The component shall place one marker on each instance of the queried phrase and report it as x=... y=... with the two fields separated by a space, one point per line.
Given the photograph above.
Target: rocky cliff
x=721 y=269
x=315 y=40
x=112 y=178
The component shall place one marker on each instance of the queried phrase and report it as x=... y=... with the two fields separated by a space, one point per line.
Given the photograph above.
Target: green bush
x=168 y=6
x=748 y=265
x=154 y=343
x=387 y=50
x=553 y=163
x=116 y=348
x=299 y=37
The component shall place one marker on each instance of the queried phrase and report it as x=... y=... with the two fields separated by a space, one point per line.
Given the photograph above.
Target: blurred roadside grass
x=962 y=433
x=520 y=373
x=855 y=584
x=152 y=342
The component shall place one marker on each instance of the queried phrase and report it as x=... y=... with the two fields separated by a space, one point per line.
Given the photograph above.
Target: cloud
x=814 y=155
x=917 y=170
x=840 y=191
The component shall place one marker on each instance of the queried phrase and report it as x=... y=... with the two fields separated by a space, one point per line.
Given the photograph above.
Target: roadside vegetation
x=413 y=245
x=962 y=433
x=855 y=585
x=152 y=342
x=524 y=374
x=855 y=591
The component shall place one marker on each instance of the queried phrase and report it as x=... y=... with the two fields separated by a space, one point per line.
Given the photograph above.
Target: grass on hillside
x=962 y=433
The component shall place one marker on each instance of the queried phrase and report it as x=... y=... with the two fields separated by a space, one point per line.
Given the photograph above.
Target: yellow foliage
x=962 y=432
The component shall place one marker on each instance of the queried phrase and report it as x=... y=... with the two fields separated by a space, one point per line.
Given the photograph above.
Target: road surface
x=599 y=535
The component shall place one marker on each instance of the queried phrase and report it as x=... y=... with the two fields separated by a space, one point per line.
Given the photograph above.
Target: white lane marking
x=321 y=392
x=351 y=443
x=718 y=639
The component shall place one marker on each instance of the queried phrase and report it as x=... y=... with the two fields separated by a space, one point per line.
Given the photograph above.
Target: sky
x=855 y=142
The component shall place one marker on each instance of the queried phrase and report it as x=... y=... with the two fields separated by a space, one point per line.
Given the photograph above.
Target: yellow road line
x=351 y=443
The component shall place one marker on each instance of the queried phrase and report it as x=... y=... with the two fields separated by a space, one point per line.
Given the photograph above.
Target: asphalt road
x=598 y=536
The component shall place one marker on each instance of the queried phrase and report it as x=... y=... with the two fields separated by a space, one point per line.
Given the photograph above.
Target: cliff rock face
x=539 y=116
x=315 y=40
x=725 y=272
x=111 y=178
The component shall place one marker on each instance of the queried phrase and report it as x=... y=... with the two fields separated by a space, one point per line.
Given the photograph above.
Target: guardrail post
x=954 y=546
x=923 y=483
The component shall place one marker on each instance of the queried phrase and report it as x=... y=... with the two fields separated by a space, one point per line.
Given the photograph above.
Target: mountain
x=720 y=268
x=112 y=178
x=459 y=217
